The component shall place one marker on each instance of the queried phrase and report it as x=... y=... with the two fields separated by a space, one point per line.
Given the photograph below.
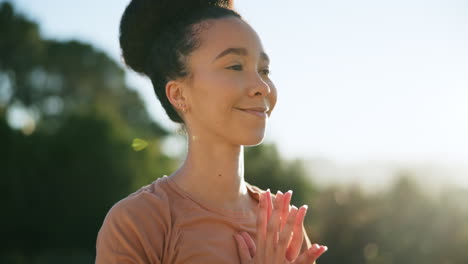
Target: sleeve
x=130 y=234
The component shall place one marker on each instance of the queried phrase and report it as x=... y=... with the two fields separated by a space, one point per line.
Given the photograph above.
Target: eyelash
x=265 y=71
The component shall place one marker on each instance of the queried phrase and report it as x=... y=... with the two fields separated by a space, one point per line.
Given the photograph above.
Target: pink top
x=161 y=223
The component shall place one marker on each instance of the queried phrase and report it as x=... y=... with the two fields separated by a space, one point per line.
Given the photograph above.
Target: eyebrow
x=240 y=52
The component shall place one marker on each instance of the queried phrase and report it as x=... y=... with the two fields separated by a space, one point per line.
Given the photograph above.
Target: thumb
x=242 y=249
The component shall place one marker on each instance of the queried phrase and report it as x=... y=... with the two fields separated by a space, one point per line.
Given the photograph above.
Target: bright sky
x=357 y=80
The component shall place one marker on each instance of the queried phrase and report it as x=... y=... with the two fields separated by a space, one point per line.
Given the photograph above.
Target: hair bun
x=143 y=20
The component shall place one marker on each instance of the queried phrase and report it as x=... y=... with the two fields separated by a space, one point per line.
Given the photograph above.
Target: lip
x=259 y=112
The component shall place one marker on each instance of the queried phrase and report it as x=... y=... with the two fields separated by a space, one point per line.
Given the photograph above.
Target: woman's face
x=230 y=75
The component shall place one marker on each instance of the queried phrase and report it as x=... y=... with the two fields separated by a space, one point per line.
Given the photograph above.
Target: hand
x=279 y=234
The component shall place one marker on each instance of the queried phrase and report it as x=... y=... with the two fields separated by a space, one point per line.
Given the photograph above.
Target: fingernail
x=305 y=206
x=280 y=192
x=293 y=210
x=268 y=190
x=325 y=248
x=290 y=191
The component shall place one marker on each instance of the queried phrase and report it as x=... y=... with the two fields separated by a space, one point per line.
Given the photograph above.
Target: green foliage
x=401 y=225
x=57 y=188
x=60 y=181
x=56 y=78
x=21 y=49
x=266 y=169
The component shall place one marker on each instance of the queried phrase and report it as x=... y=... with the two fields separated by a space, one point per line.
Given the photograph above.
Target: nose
x=259 y=87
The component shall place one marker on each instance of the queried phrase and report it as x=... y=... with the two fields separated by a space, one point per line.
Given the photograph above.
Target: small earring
x=183 y=107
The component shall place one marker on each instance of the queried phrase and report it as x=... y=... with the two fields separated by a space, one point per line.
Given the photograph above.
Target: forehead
x=218 y=34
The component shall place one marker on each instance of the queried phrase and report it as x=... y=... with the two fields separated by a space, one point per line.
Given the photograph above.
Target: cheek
x=216 y=93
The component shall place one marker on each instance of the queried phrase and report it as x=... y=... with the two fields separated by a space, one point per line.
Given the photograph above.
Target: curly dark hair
x=157 y=36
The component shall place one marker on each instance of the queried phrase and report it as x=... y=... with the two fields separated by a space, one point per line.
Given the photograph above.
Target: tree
x=59 y=182
x=265 y=168
x=55 y=79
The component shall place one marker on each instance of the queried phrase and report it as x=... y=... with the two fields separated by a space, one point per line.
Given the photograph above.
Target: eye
x=235 y=67
x=266 y=71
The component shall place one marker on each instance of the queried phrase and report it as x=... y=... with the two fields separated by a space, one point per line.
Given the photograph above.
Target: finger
x=286 y=208
x=311 y=255
x=298 y=235
x=243 y=250
x=286 y=234
x=261 y=224
x=269 y=203
x=274 y=226
x=250 y=243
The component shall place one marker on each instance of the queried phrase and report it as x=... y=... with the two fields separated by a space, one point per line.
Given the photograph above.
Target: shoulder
x=134 y=225
x=150 y=202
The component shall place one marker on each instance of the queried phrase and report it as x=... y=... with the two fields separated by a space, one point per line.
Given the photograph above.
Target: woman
x=210 y=73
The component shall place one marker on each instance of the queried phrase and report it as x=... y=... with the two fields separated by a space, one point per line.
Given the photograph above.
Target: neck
x=214 y=173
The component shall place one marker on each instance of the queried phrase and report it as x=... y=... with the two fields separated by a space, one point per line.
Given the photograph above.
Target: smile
x=255 y=113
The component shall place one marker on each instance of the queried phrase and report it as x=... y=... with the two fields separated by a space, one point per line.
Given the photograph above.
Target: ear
x=175 y=92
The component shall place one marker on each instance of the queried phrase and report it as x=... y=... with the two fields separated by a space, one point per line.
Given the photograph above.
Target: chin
x=253 y=143
x=252 y=140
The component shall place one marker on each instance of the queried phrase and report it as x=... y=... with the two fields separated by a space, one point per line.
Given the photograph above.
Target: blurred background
x=370 y=129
